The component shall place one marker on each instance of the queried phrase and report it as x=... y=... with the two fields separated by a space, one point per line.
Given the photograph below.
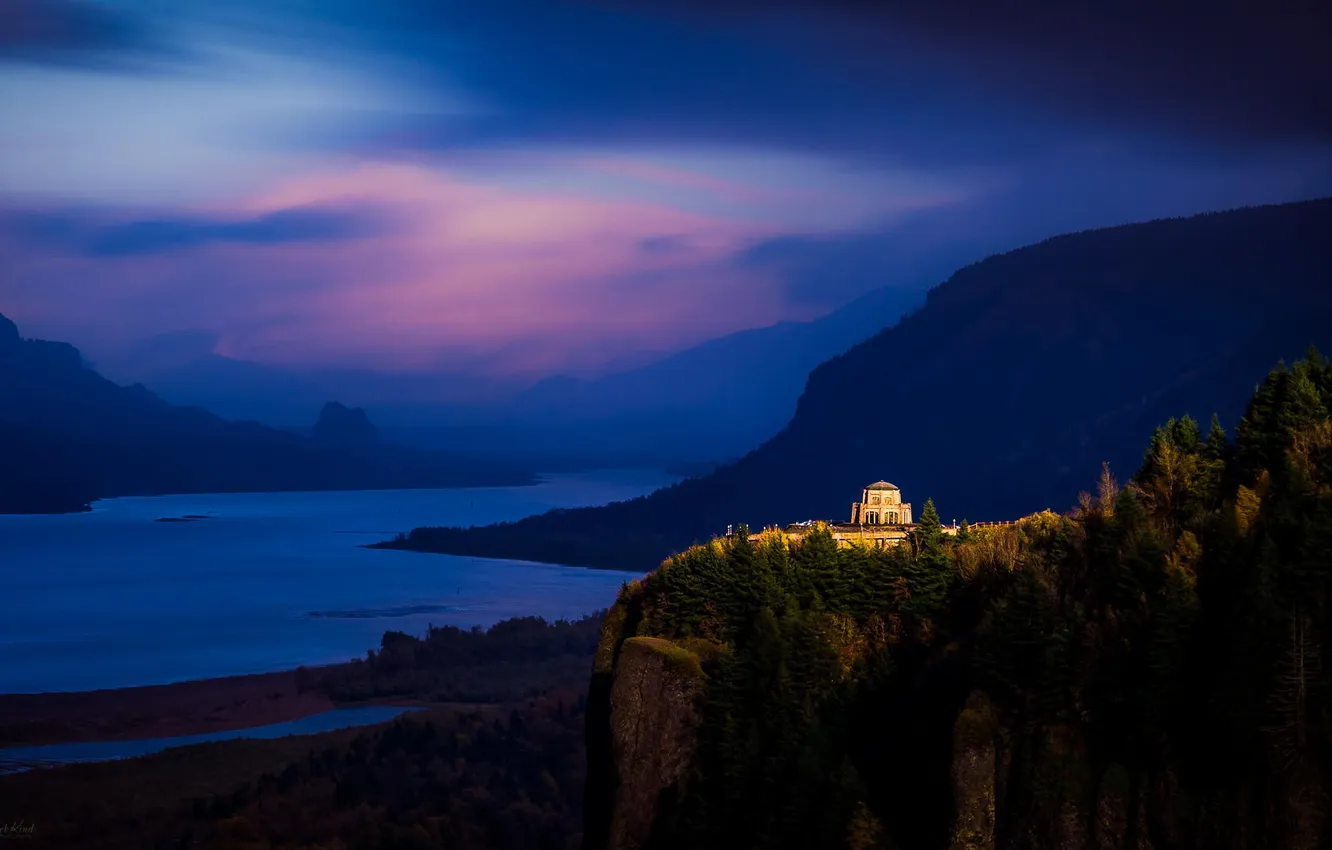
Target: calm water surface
x=269 y=581
x=54 y=754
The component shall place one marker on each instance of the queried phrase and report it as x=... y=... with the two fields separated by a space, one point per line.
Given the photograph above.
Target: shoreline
x=530 y=480
x=392 y=545
x=194 y=707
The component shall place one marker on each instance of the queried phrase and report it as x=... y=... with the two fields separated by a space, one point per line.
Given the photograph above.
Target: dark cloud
x=577 y=73
x=1036 y=118
x=1058 y=196
x=74 y=32
x=82 y=234
x=970 y=83
x=926 y=84
x=1246 y=70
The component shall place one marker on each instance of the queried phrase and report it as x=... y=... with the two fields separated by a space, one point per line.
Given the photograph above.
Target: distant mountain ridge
x=69 y=436
x=711 y=402
x=1005 y=392
x=340 y=425
x=749 y=364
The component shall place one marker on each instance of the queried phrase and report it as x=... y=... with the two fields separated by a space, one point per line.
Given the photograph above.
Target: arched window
x=892 y=518
x=872 y=518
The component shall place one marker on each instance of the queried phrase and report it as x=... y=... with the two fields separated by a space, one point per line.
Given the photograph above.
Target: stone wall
x=846 y=534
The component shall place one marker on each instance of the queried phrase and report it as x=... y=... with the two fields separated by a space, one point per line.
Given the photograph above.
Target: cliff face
x=642 y=721
x=1142 y=673
x=1011 y=785
x=974 y=771
x=653 y=723
x=651 y=742
x=1048 y=801
x=1044 y=789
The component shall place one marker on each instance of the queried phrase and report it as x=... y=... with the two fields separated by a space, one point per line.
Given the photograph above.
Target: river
x=19 y=759
x=267 y=581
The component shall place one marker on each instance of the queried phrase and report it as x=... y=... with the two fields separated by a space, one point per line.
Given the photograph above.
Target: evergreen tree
x=1216 y=445
x=930 y=529
x=1288 y=402
x=931 y=571
x=1172 y=627
x=1212 y=463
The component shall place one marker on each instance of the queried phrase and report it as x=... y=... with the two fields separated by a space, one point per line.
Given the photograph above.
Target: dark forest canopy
x=1146 y=668
x=1007 y=390
x=514 y=659
x=1142 y=671
x=492 y=760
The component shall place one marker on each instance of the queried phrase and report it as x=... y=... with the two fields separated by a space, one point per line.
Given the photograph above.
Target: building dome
x=882 y=485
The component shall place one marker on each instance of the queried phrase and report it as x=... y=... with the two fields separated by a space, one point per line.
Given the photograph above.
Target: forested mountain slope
x=1005 y=392
x=1143 y=671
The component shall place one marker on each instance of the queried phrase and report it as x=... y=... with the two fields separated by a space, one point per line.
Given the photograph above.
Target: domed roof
x=882 y=485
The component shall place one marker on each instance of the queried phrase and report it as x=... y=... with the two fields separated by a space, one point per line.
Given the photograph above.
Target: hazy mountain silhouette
x=710 y=402
x=68 y=435
x=183 y=369
x=713 y=401
x=340 y=425
x=1006 y=391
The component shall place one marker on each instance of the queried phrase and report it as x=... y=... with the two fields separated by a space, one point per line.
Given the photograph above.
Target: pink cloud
x=467 y=273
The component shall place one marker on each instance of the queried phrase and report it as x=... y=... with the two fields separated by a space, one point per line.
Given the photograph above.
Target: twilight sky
x=523 y=187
